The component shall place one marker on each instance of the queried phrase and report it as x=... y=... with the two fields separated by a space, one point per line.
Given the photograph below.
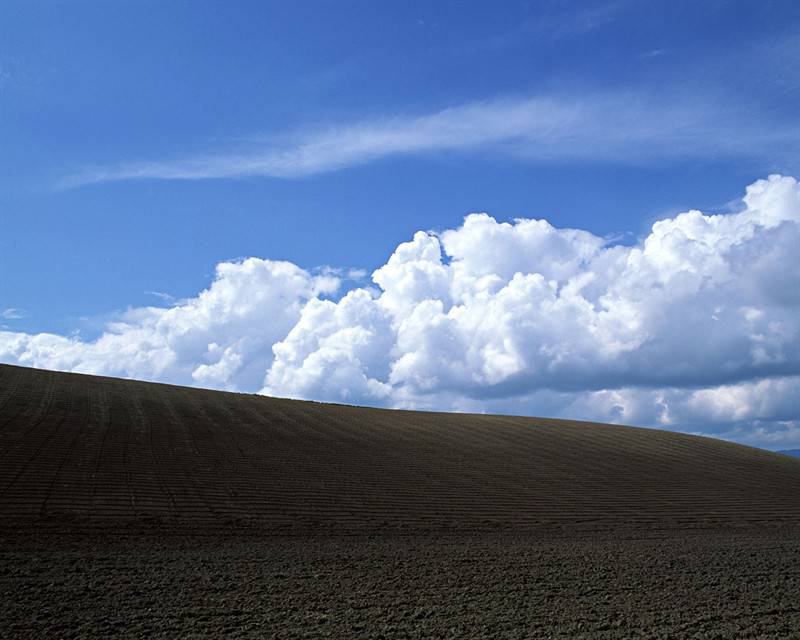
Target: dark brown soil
x=680 y=585
x=136 y=509
x=107 y=449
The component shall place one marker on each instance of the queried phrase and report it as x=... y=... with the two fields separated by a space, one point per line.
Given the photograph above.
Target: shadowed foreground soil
x=135 y=509
x=676 y=585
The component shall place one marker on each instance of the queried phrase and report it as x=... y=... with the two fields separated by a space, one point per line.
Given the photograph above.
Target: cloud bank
x=222 y=338
x=695 y=328
x=623 y=127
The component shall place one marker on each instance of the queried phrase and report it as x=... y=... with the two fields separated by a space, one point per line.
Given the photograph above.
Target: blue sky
x=88 y=84
x=145 y=143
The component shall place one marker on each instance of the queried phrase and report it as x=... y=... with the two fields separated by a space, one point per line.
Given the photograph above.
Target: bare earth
x=133 y=509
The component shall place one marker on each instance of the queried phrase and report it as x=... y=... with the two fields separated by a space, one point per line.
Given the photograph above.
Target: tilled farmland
x=135 y=509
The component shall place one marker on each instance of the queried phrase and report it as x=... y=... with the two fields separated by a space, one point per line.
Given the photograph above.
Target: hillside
x=117 y=450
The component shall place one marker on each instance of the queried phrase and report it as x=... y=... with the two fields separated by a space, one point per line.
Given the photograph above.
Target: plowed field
x=139 y=509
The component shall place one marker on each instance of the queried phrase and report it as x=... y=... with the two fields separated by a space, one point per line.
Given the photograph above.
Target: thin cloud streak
x=624 y=127
x=13 y=314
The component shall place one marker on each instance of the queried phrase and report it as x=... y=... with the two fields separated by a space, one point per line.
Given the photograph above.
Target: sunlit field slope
x=79 y=447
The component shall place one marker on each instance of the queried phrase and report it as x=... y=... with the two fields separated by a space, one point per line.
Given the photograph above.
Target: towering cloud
x=695 y=327
x=222 y=338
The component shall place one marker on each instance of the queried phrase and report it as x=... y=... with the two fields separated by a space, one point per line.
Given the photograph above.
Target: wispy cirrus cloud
x=621 y=127
x=13 y=314
x=164 y=297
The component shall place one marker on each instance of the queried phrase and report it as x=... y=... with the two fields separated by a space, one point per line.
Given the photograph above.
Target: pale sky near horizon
x=189 y=190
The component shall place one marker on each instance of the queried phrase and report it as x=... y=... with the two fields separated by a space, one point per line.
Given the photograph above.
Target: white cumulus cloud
x=695 y=327
x=222 y=338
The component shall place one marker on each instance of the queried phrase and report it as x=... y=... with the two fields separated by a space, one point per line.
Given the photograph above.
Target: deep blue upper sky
x=102 y=87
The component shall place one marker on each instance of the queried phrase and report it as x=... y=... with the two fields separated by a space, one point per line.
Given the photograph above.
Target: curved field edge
x=87 y=449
